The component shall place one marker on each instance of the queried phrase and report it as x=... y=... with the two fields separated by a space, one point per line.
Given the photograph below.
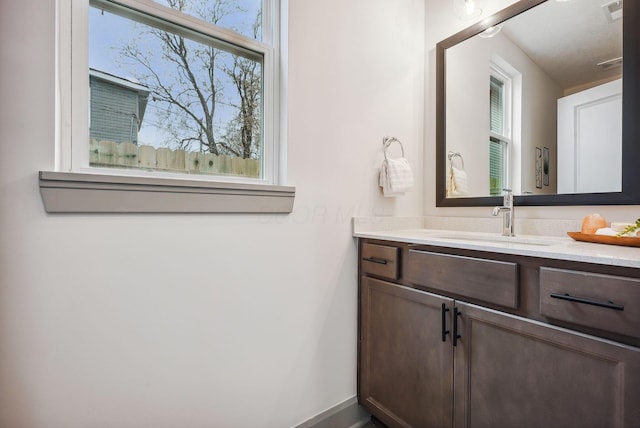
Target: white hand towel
x=608 y=231
x=396 y=177
x=457 y=183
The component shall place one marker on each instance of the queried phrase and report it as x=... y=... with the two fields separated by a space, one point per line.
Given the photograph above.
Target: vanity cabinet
x=436 y=349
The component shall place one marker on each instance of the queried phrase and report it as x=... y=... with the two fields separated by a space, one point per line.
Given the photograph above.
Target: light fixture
x=466 y=9
x=491 y=31
x=469 y=7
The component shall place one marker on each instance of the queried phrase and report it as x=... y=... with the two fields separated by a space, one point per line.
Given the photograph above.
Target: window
x=171 y=89
x=499 y=130
x=179 y=87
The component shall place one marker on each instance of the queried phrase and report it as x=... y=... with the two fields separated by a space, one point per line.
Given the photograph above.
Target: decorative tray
x=603 y=239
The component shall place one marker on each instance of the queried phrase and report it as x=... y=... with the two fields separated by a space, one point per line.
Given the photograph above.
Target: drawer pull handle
x=444 y=322
x=609 y=304
x=374 y=260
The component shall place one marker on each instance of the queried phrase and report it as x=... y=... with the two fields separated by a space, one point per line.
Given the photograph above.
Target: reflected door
x=590 y=140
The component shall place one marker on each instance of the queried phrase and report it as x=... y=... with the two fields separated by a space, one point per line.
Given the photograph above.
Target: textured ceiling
x=567 y=40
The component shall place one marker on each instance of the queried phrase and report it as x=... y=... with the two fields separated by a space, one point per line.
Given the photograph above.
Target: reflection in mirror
x=535 y=103
x=508 y=116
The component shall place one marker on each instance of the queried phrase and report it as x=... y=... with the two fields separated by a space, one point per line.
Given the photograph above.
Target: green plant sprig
x=631 y=228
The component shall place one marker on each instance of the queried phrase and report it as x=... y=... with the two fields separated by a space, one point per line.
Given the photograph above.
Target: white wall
x=440 y=24
x=202 y=320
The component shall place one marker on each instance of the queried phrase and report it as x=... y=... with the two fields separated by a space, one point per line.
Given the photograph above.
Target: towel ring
x=452 y=155
x=386 y=142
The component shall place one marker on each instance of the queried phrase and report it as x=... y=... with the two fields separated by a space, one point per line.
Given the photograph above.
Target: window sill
x=69 y=192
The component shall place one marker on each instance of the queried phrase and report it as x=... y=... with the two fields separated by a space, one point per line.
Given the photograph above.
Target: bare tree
x=188 y=84
x=243 y=140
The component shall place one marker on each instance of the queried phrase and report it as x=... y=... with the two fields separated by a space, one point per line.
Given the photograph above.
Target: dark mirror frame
x=630 y=194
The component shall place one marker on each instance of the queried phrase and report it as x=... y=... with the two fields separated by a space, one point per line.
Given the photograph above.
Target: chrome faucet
x=508 y=213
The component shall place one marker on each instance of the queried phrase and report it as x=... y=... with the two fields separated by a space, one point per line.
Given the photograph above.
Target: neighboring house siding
x=114 y=112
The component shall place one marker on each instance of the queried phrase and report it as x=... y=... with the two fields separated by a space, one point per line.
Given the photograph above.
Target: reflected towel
x=396 y=177
x=457 y=183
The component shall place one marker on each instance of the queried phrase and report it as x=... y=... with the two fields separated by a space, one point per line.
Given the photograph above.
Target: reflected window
x=499 y=130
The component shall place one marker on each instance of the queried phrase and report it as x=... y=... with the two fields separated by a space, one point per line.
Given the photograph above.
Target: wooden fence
x=128 y=155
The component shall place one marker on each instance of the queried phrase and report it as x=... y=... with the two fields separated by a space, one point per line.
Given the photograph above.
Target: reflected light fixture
x=491 y=31
x=466 y=9
x=613 y=11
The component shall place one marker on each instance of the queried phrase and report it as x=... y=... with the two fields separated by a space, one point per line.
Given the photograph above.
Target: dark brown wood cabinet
x=406 y=370
x=429 y=358
x=515 y=372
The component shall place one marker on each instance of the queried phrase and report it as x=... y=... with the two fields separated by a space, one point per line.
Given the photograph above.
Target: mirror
x=508 y=90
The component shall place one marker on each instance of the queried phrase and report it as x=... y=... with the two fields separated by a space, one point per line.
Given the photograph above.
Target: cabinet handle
x=444 y=322
x=608 y=305
x=374 y=260
x=456 y=336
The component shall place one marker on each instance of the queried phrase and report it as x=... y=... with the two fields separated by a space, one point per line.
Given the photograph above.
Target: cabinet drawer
x=381 y=260
x=605 y=302
x=491 y=281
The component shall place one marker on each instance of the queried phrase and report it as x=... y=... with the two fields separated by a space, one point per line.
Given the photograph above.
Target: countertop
x=552 y=247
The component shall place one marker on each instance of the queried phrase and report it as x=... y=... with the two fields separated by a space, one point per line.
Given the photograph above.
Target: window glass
x=161 y=100
x=241 y=16
x=497 y=146
x=497 y=105
x=497 y=150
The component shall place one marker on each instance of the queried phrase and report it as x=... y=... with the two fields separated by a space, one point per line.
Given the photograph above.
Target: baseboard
x=347 y=414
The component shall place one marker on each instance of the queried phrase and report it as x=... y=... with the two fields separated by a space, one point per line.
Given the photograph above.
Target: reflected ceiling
x=557 y=48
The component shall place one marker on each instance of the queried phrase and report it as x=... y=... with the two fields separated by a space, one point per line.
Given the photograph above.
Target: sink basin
x=502 y=240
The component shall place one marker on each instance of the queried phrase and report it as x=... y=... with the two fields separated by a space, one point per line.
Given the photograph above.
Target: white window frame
x=72 y=169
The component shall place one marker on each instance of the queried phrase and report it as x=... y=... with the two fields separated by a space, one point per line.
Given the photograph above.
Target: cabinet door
x=513 y=372
x=406 y=370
